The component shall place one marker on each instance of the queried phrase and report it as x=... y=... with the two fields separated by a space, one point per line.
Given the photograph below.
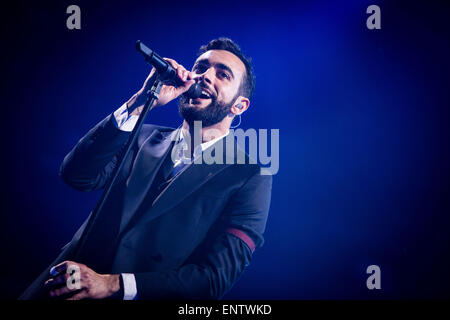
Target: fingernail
x=53 y=271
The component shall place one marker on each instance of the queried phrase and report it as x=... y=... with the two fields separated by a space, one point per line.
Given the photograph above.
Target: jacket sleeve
x=219 y=261
x=90 y=163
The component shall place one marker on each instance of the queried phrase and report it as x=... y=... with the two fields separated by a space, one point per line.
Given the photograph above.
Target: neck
x=207 y=133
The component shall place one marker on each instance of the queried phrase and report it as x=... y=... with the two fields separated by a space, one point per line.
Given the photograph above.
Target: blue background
x=363 y=118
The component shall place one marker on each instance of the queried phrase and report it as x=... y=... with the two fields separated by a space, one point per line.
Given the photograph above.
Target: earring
x=232 y=127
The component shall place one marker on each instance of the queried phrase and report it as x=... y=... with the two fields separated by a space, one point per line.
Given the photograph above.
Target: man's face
x=220 y=74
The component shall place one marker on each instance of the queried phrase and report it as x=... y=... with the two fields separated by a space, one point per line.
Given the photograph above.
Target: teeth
x=205 y=93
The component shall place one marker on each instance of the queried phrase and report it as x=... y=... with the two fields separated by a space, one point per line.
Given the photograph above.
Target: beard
x=209 y=115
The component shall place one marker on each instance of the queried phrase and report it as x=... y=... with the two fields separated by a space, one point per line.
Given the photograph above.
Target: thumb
x=185 y=87
x=189 y=83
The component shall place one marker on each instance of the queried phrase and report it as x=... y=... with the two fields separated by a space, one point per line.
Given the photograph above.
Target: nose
x=207 y=76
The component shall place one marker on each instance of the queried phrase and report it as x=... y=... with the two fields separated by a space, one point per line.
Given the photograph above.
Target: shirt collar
x=203 y=146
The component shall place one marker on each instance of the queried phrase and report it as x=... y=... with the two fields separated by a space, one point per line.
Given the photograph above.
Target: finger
x=185 y=87
x=178 y=67
x=59 y=292
x=172 y=62
x=59 y=268
x=185 y=75
x=80 y=295
x=180 y=73
x=61 y=279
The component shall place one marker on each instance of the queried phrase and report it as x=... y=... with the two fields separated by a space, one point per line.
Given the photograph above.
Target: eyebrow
x=219 y=65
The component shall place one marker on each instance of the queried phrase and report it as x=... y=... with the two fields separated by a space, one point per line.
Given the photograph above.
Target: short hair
x=248 y=81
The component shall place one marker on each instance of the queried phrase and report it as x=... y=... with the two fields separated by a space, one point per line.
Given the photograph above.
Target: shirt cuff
x=123 y=120
x=129 y=286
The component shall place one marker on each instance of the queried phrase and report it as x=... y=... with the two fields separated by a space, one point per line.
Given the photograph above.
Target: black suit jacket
x=190 y=241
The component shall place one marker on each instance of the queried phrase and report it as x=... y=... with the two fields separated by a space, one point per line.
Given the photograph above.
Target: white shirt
x=126 y=122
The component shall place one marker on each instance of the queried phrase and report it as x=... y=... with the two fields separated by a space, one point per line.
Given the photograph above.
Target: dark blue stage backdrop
x=363 y=118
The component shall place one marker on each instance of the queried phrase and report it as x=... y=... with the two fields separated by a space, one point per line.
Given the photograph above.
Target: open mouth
x=204 y=96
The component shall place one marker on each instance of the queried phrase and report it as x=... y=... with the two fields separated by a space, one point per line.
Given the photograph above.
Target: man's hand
x=77 y=281
x=168 y=92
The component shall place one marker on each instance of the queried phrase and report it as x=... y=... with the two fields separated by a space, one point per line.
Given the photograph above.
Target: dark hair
x=248 y=82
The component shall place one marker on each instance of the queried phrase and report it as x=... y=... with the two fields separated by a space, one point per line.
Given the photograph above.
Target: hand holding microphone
x=177 y=81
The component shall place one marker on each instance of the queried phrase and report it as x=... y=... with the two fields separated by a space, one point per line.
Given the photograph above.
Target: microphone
x=166 y=71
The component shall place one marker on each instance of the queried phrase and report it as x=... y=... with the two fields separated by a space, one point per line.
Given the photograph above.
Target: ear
x=241 y=104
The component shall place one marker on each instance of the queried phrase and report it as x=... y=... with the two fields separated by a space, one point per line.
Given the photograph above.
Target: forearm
x=208 y=278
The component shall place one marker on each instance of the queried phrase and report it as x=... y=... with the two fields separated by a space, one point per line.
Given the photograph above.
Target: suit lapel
x=146 y=165
x=189 y=180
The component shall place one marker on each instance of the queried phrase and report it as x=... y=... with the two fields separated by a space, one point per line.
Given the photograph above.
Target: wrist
x=115 y=286
x=135 y=103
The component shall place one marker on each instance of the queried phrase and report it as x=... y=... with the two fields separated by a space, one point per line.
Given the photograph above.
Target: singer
x=171 y=229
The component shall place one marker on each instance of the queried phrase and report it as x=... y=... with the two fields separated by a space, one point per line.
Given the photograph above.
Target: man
x=172 y=227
